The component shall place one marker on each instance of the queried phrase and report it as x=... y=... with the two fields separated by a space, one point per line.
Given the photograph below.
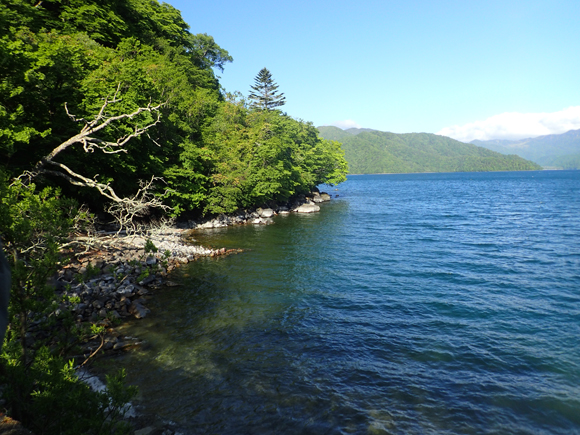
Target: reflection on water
x=430 y=303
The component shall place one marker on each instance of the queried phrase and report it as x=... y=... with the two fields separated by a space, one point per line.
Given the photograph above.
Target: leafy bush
x=39 y=387
x=48 y=397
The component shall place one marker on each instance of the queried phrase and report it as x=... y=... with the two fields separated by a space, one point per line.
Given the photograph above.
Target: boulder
x=138 y=310
x=308 y=208
x=266 y=212
x=205 y=226
x=150 y=261
x=147 y=280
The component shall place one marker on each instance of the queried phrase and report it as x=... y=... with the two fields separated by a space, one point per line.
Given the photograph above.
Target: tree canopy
x=264 y=93
x=61 y=60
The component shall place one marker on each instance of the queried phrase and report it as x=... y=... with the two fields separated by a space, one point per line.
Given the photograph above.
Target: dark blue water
x=411 y=304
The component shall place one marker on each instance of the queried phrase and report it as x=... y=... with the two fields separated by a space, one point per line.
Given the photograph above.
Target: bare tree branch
x=101 y=121
x=124 y=210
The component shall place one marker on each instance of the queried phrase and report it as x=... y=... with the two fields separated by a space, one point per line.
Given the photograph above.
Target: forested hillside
x=65 y=64
x=113 y=107
x=560 y=151
x=373 y=152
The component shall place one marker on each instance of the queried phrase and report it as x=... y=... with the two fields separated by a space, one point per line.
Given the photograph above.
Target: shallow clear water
x=416 y=303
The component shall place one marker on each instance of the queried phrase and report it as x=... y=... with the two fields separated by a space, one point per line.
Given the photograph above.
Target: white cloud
x=347 y=123
x=516 y=125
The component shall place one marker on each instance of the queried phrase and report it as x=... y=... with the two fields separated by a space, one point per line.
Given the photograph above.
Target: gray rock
x=126 y=291
x=266 y=212
x=205 y=226
x=151 y=261
x=147 y=280
x=119 y=345
x=142 y=291
x=138 y=310
x=308 y=208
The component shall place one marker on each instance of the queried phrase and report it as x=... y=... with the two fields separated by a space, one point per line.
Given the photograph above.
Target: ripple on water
x=418 y=303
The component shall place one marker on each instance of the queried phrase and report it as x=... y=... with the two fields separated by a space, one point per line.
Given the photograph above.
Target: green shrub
x=49 y=398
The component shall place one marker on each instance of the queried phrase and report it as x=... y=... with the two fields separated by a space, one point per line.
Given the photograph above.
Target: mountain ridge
x=371 y=151
x=560 y=151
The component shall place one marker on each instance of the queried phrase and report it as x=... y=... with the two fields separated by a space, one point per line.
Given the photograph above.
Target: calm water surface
x=411 y=304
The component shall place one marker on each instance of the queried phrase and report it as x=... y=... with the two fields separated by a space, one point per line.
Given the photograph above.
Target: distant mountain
x=555 y=150
x=372 y=152
x=334 y=133
x=355 y=131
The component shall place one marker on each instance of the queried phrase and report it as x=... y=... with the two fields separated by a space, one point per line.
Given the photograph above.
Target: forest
x=373 y=152
x=64 y=63
x=113 y=109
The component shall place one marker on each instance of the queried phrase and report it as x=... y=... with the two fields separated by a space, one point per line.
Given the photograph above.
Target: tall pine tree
x=265 y=92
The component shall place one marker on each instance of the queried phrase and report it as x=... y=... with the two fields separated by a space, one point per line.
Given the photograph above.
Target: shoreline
x=113 y=281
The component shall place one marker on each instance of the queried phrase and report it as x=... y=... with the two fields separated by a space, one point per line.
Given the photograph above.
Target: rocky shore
x=262 y=216
x=114 y=280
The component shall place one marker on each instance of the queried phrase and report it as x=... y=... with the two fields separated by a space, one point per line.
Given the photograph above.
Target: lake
x=411 y=304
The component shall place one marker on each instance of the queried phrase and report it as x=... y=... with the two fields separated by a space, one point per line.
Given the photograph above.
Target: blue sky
x=468 y=69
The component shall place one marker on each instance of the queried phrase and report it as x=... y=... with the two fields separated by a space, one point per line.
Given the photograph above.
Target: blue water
x=411 y=304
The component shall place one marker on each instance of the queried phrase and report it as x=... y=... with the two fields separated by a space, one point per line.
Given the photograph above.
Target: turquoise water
x=411 y=304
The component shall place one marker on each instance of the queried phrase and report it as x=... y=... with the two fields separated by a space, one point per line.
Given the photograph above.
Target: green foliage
x=261 y=156
x=206 y=53
x=41 y=389
x=91 y=272
x=32 y=224
x=570 y=161
x=54 y=54
x=369 y=152
x=48 y=397
x=150 y=246
x=79 y=52
x=144 y=274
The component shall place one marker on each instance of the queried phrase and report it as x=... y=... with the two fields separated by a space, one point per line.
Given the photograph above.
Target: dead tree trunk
x=123 y=209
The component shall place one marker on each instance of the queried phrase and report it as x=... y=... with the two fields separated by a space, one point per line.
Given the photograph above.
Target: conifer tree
x=265 y=92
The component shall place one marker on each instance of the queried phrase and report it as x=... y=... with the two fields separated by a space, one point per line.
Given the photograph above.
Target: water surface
x=411 y=304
